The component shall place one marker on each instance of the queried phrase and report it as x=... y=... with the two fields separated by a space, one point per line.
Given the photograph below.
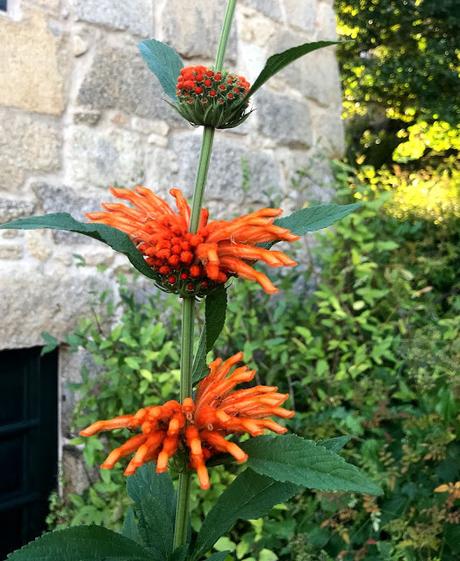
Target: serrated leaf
x=116 y=239
x=334 y=444
x=302 y=462
x=277 y=62
x=250 y=495
x=315 y=217
x=51 y=343
x=215 y=313
x=82 y=543
x=154 y=505
x=130 y=529
x=164 y=62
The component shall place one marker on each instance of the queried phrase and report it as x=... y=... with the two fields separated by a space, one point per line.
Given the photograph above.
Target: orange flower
x=201 y=425
x=208 y=97
x=189 y=263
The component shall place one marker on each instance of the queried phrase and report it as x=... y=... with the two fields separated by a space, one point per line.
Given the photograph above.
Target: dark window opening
x=28 y=443
x=3 y=5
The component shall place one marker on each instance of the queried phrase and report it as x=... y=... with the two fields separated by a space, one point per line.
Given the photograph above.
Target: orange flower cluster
x=202 y=83
x=193 y=264
x=212 y=98
x=201 y=425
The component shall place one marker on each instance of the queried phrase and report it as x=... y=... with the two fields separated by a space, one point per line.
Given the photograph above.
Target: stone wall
x=79 y=111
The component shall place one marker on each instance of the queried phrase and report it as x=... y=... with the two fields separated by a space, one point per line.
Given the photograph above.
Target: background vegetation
x=366 y=340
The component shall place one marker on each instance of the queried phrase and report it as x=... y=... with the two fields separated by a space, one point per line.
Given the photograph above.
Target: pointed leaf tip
x=277 y=62
x=117 y=240
x=164 y=62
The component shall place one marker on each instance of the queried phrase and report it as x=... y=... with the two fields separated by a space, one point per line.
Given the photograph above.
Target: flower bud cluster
x=212 y=98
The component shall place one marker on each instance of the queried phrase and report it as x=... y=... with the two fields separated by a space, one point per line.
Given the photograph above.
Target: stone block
x=103 y=158
x=329 y=131
x=36 y=300
x=119 y=79
x=135 y=16
x=30 y=72
x=194 y=30
x=12 y=209
x=315 y=76
x=230 y=157
x=34 y=147
x=301 y=14
x=270 y=8
x=284 y=119
x=326 y=22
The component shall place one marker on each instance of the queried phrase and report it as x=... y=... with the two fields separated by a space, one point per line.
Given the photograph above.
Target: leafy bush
x=367 y=345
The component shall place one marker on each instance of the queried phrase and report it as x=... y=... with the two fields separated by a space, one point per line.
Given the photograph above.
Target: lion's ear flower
x=199 y=427
x=194 y=264
x=210 y=98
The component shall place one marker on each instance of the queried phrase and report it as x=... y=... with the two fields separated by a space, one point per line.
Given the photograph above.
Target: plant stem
x=188 y=304
x=225 y=33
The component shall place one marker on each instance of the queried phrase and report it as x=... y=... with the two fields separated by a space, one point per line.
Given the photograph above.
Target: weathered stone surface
x=301 y=14
x=119 y=79
x=326 y=21
x=194 y=29
x=329 y=133
x=284 y=119
x=135 y=15
x=270 y=8
x=89 y=117
x=30 y=73
x=57 y=298
x=254 y=29
x=11 y=252
x=315 y=75
x=12 y=209
x=103 y=158
x=226 y=169
x=74 y=474
x=34 y=147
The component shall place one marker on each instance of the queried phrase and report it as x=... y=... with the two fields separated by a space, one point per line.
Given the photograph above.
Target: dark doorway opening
x=3 y=5
x=28 y=443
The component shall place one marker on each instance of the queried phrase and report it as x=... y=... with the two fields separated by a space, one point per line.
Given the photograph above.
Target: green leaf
x=334 y=444
x=164 y=62
x=302 y=462
x=277 y=62
x=82 y=543
x=130 y=529
x=220 y=556
x=116 y=239
x=215 y=312
x=154 y=505
x=51 y=343
x=250 y=495
x=315 y=217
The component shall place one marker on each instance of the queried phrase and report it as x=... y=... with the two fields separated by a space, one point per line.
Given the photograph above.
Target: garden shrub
x=367 y=344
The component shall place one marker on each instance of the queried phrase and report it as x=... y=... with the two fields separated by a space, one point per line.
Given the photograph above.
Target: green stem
x=188 y=305
x=225 y=33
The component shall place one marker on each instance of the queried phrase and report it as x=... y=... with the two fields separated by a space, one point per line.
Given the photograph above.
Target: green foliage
x=154 y=506
x=315 y=217
x=164 y=62
x=82 y=543
x=370 y=349
x=116 y=239
x=249 y=496
x=400 y=82
x=293 y=459
x=214 y=320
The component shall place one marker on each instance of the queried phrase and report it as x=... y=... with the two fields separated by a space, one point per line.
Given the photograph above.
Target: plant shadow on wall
x=369 y=351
